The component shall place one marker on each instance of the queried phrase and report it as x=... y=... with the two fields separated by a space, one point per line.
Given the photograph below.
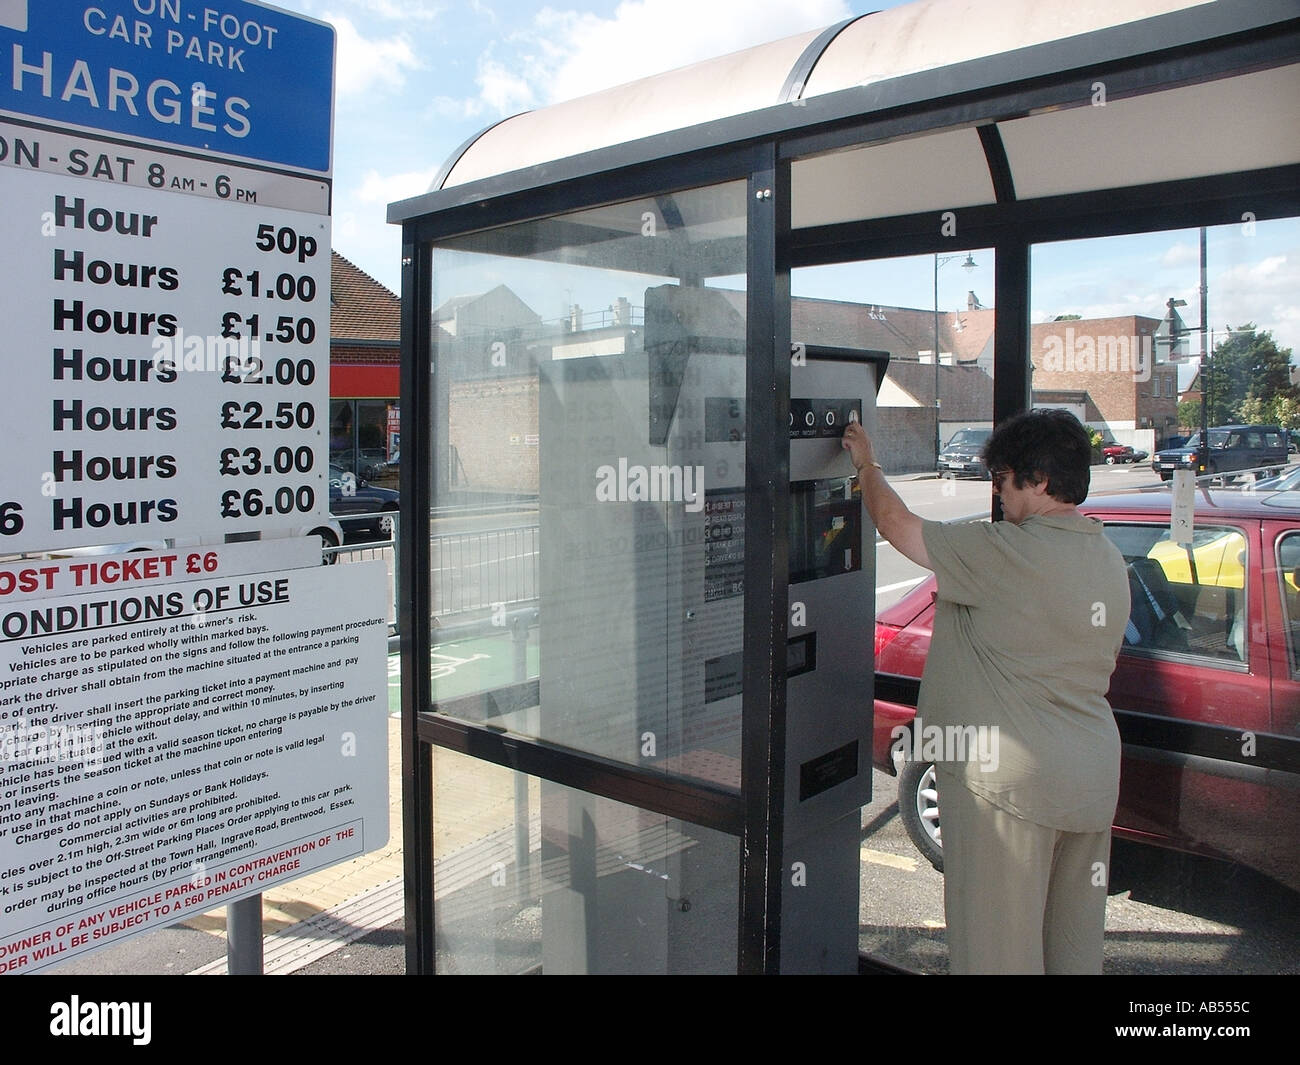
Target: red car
x=1114 y=453
x=1206 y=691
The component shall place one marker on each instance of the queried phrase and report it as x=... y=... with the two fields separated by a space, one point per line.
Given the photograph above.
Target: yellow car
x=1219 y=556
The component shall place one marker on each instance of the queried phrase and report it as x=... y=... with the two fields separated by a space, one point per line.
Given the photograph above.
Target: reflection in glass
x=582 y=364
x=533 y=877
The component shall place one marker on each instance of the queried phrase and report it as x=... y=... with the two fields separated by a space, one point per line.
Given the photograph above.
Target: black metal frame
x=759 y=148
x=767 y=499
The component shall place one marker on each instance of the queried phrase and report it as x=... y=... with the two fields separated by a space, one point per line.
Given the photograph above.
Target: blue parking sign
x=229 y=76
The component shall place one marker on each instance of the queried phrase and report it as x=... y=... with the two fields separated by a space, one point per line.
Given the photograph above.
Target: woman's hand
x=856 y=442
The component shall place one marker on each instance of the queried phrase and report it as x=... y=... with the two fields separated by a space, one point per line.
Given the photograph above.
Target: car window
x=1186 y=600
x=1288 y=575
x=1273 y=441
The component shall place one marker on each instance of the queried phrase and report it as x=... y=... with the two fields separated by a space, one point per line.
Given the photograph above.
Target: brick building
x=1104 y=370
x=365 y=362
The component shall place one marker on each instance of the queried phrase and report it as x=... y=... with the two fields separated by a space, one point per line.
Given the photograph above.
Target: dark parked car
x=371 y=462
x=1211 y=656
x=352 y=495
x=1232 y=447
x=964 y=454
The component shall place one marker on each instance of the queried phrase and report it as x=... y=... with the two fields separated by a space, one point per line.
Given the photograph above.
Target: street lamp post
x=1176 y=330
x=968 y=265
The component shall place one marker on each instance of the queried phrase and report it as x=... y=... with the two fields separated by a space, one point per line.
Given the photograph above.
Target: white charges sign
x=169 y=386
x=168 y=336
x=171 y=745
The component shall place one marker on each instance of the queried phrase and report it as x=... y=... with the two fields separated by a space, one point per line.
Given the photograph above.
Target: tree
x=1281 y=410
x=1189 y=414
x=1247 y=365
x=1286 y=412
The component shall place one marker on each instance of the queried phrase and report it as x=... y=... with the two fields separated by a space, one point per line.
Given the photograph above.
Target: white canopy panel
x=888 y=44
x=1243 y=123
x=882 y=180
x=939 y=33
x=716 y=88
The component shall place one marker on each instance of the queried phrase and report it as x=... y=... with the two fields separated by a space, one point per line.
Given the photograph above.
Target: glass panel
x=533 y=877
x=588 y=368
x=932 y=416
x=1185 y=599
x=1115 y=335
x=1288 y=574
x=931 y=454
x=1198 y=842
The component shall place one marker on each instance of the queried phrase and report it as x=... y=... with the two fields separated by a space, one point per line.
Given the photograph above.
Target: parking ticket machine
x=641 y=637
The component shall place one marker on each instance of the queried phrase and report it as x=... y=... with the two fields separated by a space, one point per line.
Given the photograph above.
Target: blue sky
x=416 y=78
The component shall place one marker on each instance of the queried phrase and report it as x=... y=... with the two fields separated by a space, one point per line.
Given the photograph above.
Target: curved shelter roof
x=1039 y=98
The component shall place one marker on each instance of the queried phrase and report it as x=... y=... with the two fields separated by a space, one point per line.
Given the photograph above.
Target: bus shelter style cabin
x=635 y=735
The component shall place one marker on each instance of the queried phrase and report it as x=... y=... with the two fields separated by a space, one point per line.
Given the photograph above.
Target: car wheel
x=918 y=806
x=328 y=541
x=388 y=524
x=1110 y=460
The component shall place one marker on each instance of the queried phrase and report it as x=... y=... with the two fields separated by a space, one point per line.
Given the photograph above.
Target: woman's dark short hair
x=1042 y=444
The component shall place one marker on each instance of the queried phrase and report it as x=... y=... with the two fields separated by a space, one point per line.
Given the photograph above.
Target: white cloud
x=384 y=189
x=364 y=64
x=1181 y=254
x=455 y=109
x=405 y=10
x=1263 y=292
x=503 y=90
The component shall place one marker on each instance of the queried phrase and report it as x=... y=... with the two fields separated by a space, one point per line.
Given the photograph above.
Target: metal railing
x=472 y=572
x=385 y=550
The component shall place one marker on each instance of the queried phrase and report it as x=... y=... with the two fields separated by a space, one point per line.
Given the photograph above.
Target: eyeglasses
x=996 y=477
